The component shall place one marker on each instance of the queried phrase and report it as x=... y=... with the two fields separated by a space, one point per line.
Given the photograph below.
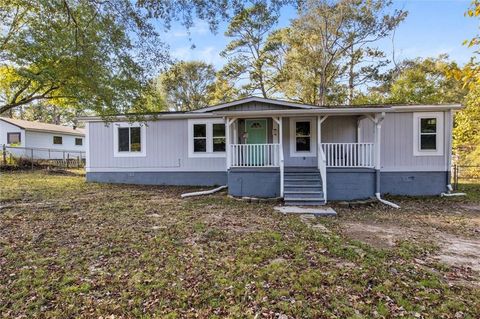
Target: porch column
x=321 y=159
x=279 y=122
x=378 y=141
x=228 y=124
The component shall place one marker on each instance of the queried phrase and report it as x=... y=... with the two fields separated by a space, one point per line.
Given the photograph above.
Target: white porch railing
x=349 y=154
x=254 y=155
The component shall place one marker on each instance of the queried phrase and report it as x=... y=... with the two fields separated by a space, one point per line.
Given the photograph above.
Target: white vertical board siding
x=397 y=145
x=166 y=150
x=44 y=141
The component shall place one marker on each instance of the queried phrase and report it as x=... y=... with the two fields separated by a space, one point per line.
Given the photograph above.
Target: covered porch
x=307 y=145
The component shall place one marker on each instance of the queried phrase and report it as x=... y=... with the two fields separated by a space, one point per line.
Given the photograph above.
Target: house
x=269 y=148
x=42 y=140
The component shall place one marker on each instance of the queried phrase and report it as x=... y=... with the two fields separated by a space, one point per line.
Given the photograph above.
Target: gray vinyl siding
x=397 y=144
x=166 y=150
x=256 y=106
x=339 y=129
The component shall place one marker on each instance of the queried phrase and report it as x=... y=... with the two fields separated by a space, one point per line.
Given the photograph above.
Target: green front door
x=256 y=134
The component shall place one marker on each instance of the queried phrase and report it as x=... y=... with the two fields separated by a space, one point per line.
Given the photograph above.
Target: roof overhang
x=256 y=99
x=271 y=113
x=55 y=132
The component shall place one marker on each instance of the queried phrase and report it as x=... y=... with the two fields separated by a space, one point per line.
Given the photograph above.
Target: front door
x=256 y=134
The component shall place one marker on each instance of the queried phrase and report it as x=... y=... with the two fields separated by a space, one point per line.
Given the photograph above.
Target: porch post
x=228 y=123
x=279 y=122
x=378 y=141
x=321 y=159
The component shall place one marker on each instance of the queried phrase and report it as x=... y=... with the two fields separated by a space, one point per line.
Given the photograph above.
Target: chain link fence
x=34 y=157
x=465 y=174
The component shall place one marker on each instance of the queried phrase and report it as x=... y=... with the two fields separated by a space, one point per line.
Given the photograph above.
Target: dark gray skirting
x=160 y=178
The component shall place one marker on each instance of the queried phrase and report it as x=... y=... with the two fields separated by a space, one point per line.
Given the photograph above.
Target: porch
x=293 y=154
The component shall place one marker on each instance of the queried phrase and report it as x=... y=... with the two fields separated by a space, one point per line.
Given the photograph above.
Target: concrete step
x=301 y=175
x=303 y=196
x=303 y=182
x=304 y=203
x=300 y=169
x=300 y=194
x=301 y=189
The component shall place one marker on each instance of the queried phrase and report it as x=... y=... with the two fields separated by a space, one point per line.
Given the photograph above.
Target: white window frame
x=293 y=137
x=143 y=140
x=417 y=117
x=209 y=127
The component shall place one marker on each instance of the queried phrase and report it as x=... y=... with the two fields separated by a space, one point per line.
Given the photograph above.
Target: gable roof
x=43 y=127
x=250 y=99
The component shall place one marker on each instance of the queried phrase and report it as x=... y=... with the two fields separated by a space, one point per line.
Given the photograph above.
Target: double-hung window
x=206 y=138
x=129 y=140
x=302 y=137
x=218 y=137
x=78 y=141
x=428 y=134
x=199 y=138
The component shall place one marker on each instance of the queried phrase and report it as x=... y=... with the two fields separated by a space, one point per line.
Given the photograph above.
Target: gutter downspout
x=448 y=165
x=378 y=129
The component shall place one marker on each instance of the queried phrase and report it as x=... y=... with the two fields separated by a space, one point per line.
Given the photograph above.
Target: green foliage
x=426 y=81
x=75 y=53
x=329 y=42
x=224 y=90
x=418 y=81
x=188 y=85
x=248 y=54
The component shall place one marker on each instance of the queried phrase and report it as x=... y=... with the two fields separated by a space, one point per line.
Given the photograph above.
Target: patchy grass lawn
x=71 y=249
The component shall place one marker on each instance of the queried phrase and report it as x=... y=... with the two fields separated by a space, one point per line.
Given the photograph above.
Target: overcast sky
x=432 y=27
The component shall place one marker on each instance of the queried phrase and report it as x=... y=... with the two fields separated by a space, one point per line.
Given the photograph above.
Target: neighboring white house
x=268 y=148
x=41 y=139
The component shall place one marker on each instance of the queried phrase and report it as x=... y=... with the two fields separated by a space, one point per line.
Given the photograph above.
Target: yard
x=71 y=249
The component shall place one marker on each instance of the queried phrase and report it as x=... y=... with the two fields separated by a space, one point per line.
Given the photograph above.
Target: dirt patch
x=459 y=252
x=454 y=250
x=378 y=236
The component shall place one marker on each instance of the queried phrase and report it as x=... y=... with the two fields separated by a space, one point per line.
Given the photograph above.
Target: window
x=129 y=140
x=13 y=138
x=302 y=137
x=207 y=138
x=219 y=137
x=428 y=134
x=78 y=141
x=199 y=138
x=57 y=140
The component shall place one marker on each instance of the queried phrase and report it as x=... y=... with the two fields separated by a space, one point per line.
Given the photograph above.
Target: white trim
x=439 y=133
x=209 y=127
x=313 y=137
x=143 y=140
